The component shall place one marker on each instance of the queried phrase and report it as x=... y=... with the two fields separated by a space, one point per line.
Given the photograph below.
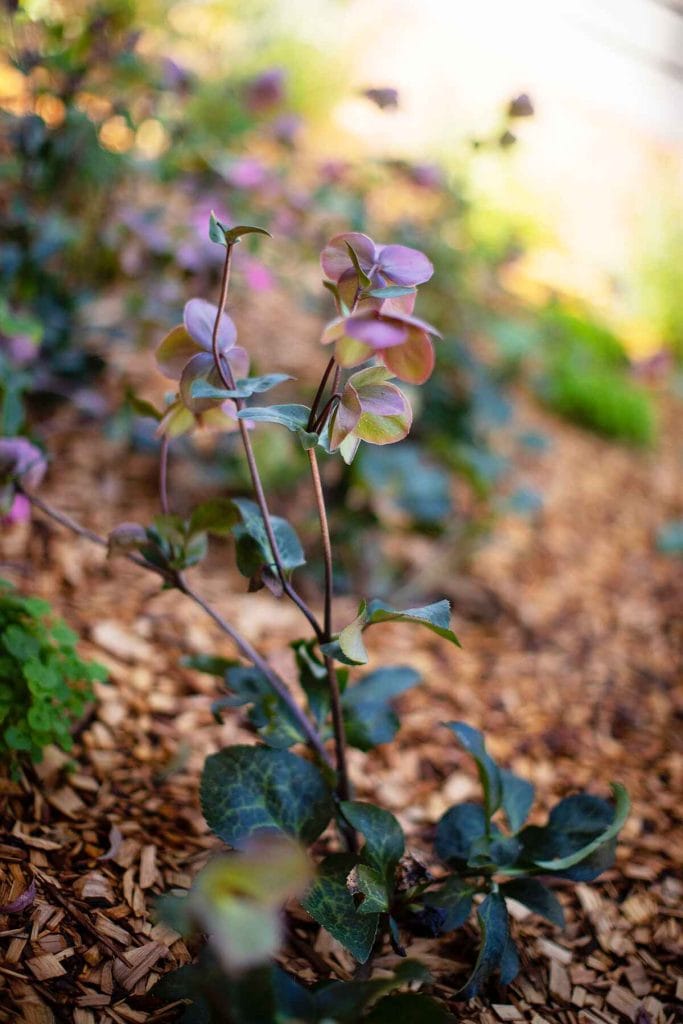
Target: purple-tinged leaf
x=200 y=369
x=404 y=266
x=413 y=361
x=378 y=334
x=336 y=260
x=175 y=351
x=346 y=417
x=199 y=317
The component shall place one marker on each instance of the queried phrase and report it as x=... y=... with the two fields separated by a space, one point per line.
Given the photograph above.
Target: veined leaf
x=331 y=904
x=495 y=933
x=349 y=647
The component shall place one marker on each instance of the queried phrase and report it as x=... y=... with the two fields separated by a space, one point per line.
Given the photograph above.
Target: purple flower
x=399 y=340
x=266 y=90
x=19 y=511
x=370 y=410
x=286 y=128
x=385 y=98
x=186 y=355
x=247 y=173
x=20 y=460
x=383 y=264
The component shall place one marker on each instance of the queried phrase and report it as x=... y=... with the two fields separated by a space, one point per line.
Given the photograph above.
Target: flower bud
x=20 y=460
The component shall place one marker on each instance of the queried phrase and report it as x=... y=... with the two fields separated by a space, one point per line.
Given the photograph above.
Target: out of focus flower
x=370 y=409
x=265 y=91
x=425 y=175
x=521 y=106
x=19 y=511
x=257 y=276
x=21 y=461
x=286 y=127
x=175 y=77
x=21 y=349
x=385 y=98
x=333 y=171
x=247 y=173
x=399 y=340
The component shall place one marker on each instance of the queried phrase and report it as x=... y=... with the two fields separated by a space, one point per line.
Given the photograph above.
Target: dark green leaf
x=495 y=932
x=489 y=774
x=494 y=850
x=518 y=796
x=344 y=1001
x=534 y=895
x=222 y=235
x=313 y=679
x=141 y=407
x=409 y=1007
x=212 y=664
x=248 y=790
x=269 y=714
x=459 y=828
x=216 y=516
x=293 y=1001
x=370 y=886
x=294 y=417
x=289 y=545
x=509 y=965
x=384 y=839
x=349 y=647
x=578 y=818
x=368 y=712
x=331 y=904
x=454 y=902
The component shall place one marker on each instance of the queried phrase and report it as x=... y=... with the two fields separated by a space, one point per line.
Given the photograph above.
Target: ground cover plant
x=268 y=802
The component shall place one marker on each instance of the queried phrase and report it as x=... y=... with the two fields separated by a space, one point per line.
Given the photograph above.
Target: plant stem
x=226 y=375
x=319 y=394
x=326 y=411
x=343 y=786
x=242 y=644
x=163 y=475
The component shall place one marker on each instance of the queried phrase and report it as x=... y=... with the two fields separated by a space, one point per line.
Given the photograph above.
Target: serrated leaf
x=517 y=798
x=294 y=417
x=216 y=516
x=384 y=839
x=369 y=715
x=246 y=791
x=349 y=647
x=495 y=933
x=537 y=897
x=489 y=774
x=331 y=904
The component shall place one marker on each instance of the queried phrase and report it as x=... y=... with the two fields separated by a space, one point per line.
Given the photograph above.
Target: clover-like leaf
x=367 y=706
x=246 y=791
x=536 y=896
x=349 y=647
x=331 y=904
x=489 y=773
x=495 y=933
x=384 y=839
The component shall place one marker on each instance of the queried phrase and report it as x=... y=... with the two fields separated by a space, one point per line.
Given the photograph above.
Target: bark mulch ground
x=571 y=628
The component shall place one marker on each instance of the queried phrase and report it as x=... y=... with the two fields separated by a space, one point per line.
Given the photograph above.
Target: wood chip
x=140 y=962
x=148 y=867
x=559 y=983
x=45 y=967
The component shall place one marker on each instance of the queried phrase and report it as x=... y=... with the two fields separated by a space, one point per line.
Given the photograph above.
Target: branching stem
x=226 y=375
x=177 y=579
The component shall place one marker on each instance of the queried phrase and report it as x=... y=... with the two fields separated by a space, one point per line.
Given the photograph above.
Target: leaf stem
x=226 y=375
x=343 y=785
x=163 y=475
x=178 y=580
x=319 y=394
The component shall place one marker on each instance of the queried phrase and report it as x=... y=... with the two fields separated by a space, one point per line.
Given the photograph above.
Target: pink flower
x=19 y=511
x=257 y=276
x=247 y=173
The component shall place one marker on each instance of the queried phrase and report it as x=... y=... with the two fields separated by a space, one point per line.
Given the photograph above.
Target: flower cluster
x=186 y=355
x=376 y=287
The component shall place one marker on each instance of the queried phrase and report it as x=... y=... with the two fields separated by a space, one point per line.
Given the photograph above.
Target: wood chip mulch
x=572 y=630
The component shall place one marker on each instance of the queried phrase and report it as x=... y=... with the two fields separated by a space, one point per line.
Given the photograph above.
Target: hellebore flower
x=20 y=460
x=186 y=355
x=370 y=410
x=383 y=264
x=399 y=340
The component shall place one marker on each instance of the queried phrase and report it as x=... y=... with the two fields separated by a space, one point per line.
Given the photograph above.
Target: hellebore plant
x=268 y=793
